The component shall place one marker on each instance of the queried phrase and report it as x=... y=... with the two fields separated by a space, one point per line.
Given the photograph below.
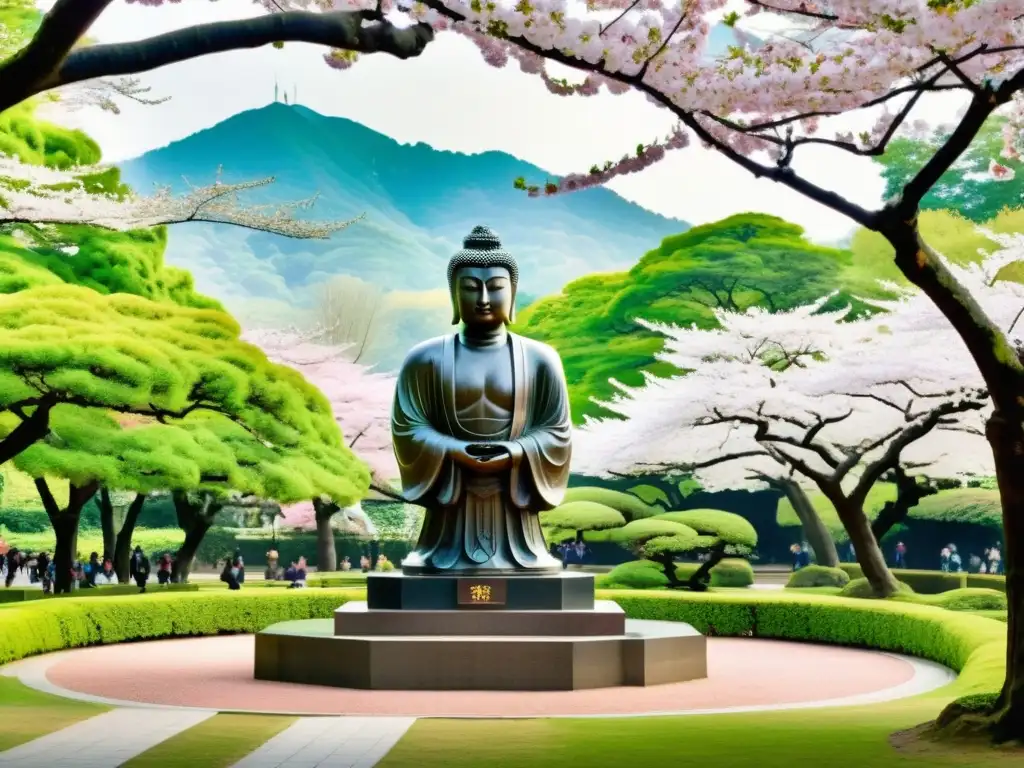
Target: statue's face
x=484 y=296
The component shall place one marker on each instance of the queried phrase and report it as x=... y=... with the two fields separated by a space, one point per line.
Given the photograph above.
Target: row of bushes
x=972 y=645
x=934 y=582
x=22 y=594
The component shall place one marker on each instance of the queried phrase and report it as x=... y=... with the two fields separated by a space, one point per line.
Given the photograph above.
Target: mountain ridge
x=419 y=202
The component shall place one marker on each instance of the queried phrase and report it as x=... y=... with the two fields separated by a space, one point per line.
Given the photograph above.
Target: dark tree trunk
x=65 y=529
x=668 y=565
x=909 y=493
x=123 y=544
x=869 y=554
x=195 y=519
x=32 y=429
x=107 y=524
x=182 y=565
x=698 y=582
x=817 y=534
x=1007 y=439
x=326 y=554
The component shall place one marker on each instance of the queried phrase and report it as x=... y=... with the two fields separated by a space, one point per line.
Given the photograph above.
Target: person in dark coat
x=138 y=568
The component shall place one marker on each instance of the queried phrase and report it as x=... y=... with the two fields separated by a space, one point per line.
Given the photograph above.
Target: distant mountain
x=419 y=203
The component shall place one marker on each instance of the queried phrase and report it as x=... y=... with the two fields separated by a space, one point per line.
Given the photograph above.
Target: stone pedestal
x=513 y=633
x=566 y=591
x=648 y=653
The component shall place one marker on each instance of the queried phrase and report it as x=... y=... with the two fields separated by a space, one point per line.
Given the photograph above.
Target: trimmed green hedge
x=970 y=506
x=986 y=581
x=22 y=594
x=936 y=582
x=818 y=576
x=973 y=646
x=52 y=625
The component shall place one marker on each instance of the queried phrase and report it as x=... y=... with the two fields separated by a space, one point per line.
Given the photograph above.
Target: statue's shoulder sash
x=520 y=387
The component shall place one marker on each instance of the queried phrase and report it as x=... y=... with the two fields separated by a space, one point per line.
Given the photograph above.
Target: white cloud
x=450 y=99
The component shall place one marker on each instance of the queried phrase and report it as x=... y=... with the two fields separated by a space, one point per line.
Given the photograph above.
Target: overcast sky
x=449 y=99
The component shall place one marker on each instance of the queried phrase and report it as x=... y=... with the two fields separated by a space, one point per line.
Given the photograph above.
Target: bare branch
x=49 y=62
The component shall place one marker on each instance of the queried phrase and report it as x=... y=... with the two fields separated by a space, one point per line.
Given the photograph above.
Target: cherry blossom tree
x=838 y=404
x=38 y=196
x=361 y=402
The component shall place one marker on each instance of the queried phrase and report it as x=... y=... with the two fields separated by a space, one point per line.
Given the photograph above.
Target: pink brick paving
x=216 y=673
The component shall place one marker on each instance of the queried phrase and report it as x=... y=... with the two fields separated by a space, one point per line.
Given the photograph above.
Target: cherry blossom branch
x=51 y=61
x=890 y=459
x=806 y=10
x=667 y=467
x=71 y=197
x=762 y=433
x=100 y=93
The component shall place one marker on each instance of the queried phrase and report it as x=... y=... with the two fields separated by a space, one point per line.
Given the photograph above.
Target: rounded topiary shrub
x=862 y=588
x=818 y=576
x=972 y=599
x=637 y=574
x=732 y=572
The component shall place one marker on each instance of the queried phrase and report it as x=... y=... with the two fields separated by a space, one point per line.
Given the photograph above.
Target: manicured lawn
x=219 y=742
x=27 y=714
x=832 y=738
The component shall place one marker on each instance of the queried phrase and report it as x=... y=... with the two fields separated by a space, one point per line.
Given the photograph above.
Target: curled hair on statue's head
x=481 y=248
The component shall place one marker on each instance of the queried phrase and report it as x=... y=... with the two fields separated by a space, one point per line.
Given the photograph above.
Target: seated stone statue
x=481 y=428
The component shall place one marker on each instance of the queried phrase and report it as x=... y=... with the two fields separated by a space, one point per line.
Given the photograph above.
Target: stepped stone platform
x=518 y=633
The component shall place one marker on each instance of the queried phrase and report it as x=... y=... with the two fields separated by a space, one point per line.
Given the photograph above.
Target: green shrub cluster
x=971 y=599
x=861 y=588
x=818 y=576
x=630 y=506
x=732 y=572
x=646 y=574
x=638 y=574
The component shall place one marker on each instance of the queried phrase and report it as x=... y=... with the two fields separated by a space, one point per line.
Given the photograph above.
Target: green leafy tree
x=742 y=261
x=86 y=449
x=966 y=186
x=628 y=505
x=576 y=517
x=670 y=535
x=252 y=471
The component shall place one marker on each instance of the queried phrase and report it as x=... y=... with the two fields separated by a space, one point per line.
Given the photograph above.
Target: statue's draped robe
x=481 y=523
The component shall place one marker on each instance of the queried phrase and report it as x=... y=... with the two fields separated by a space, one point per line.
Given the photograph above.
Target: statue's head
x=483 y=278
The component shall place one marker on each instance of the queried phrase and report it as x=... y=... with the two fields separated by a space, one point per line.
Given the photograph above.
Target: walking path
x=745 y=676
x=104 y=741
x=330 y=742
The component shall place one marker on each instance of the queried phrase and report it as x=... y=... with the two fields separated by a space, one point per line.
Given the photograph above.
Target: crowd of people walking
x=39 y=568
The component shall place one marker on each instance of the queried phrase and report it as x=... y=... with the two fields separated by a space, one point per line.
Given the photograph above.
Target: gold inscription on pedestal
x=481 y=593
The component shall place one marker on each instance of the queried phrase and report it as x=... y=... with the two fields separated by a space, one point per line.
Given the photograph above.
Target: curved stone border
x=927 y=676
